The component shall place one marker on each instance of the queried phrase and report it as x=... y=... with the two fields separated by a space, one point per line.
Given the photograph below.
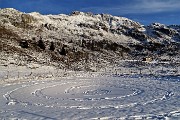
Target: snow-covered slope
x=81 y=40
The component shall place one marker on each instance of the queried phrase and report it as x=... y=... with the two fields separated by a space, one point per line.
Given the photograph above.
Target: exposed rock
x=76 y=13
x=137 y=35
x=26 y=18
x=93 y=26
x=24 y=44
x=166 y=31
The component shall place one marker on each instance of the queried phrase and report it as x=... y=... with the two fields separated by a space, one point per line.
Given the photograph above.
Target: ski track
x=112 y=97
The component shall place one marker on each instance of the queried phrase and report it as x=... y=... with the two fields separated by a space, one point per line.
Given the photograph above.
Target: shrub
x=41 y=44
x=52 y=46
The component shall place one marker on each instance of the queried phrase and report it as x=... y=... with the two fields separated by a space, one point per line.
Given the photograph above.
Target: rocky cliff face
x=82 y=40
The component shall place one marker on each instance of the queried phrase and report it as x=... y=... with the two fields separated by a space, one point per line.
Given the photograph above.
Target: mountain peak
x=9 y=11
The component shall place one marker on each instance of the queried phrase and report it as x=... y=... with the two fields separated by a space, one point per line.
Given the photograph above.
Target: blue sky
x=143 y=11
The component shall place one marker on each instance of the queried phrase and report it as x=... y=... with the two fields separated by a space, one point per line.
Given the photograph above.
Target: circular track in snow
x=87 y=98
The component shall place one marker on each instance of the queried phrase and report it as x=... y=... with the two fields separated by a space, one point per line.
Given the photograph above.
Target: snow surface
x=84 y=95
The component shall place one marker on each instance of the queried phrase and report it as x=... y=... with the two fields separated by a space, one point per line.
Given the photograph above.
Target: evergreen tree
x=41 y=44
x=52 y=46
x=63 y=51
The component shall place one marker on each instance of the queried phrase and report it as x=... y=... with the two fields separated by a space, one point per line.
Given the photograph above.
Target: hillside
x=82 y=41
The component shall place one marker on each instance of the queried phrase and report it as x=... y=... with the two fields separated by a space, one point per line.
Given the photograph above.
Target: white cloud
x=149 y=6
x=140 y=6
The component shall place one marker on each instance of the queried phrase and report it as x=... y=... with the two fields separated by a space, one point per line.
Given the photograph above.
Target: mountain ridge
x=83 y=40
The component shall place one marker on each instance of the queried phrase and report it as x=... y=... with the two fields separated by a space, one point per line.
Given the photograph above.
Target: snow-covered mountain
x=81 y=40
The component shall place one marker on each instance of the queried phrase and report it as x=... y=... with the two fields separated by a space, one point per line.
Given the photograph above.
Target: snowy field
x=90 y=96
